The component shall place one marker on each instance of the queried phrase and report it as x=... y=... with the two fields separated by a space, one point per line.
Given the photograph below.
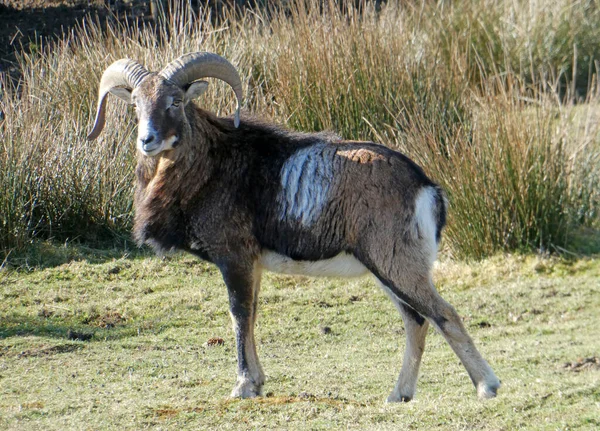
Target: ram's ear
x=195 y=90
x=122 y=93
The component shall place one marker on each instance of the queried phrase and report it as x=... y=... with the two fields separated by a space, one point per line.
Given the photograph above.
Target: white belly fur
x=342 y=265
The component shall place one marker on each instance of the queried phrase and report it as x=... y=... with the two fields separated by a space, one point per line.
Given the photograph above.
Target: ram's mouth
x=153 y=149
x=151 y=152
x=150 y=148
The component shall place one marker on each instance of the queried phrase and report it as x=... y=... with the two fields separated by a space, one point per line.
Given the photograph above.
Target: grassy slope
x=147 y=364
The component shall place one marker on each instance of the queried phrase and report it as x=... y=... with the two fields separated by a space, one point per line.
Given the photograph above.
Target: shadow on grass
x=67 y=329
x=46 y=254
x=585 y=241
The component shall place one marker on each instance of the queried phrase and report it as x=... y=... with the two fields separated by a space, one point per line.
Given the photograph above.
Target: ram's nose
x=148 y=142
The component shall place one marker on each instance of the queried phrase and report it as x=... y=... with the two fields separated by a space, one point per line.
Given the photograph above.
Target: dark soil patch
x=31 y=25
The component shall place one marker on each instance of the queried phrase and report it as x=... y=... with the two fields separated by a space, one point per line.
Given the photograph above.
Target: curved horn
x=123 y=73
x=191 y=67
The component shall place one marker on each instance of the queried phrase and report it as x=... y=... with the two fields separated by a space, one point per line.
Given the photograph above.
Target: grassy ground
x=98 y=340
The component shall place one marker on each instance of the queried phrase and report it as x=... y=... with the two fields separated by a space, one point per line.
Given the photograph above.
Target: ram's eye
x=175 y=104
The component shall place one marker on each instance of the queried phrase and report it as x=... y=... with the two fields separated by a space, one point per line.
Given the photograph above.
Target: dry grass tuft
x=498 y=101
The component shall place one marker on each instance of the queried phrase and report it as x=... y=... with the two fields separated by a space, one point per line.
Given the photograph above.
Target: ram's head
x=160 y=98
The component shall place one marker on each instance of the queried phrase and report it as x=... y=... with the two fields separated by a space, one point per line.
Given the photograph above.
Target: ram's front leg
x=243 y=283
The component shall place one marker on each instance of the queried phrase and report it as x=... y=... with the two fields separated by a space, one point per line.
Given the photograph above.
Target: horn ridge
x=124 y=73
x=197 y=65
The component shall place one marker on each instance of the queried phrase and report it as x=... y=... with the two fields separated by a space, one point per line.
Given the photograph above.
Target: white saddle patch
x=342 y=265
x=305 y=182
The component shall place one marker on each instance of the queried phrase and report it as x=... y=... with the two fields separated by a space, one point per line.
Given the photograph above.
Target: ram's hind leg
x=422 y=297
x=407 y=279
x=416 y=330
x=449 y=324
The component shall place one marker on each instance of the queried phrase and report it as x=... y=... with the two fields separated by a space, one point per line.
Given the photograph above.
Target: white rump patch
x=305 y=180
x=425 y=221
x=342 y=265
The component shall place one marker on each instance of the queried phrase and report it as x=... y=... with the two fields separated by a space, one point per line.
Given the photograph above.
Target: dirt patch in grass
x=107 y=320
x=110 y=320
x=215 y=341
x=306 y=397
x=33 y=405
x=165 y=413
x=583 y=364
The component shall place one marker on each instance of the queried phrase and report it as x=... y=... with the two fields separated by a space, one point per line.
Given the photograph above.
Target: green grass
x=147 y=363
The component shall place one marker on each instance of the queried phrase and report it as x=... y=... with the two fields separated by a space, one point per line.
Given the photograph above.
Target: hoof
x=487 y=390
x=394 y=398
x=246 y=388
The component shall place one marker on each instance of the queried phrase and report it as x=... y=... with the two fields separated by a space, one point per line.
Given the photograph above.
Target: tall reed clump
x=513 y=181
x=545 y=43
x=55 y=184
x=442 y=82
